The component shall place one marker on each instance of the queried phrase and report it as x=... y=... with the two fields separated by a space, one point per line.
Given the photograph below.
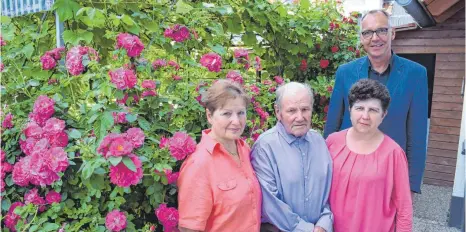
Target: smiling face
x=367 y=115
x=295 y=112
x=228 y=122
x=377 y=46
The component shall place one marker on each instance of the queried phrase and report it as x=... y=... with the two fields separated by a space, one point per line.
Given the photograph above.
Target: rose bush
x=94 y=132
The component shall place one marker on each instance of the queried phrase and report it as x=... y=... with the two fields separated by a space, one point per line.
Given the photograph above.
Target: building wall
x=447 y=41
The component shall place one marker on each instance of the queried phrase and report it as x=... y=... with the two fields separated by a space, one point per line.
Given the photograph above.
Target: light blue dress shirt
x=295 y=175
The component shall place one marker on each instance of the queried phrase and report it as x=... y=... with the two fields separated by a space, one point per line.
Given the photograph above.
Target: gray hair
x=384 y=12
x=292 y=86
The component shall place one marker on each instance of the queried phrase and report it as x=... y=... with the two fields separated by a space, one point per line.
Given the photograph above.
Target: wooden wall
x=447 y=41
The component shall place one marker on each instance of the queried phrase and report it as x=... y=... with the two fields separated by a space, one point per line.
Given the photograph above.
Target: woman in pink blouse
x=370 y=185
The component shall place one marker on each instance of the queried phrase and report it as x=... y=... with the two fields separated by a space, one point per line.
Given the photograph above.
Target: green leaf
x=33 y=228
x=218 y=49
x=249 y=38
x=5 y=19
x=74 y=37
x=233 y=25
x=50 y=226
x=28 y=50
x=87 y=170
x=143 y=123
x=65 y=9
x=305 y=4
x=131 y=117
x=93 y=118
x=34 y=83
x=127 y=20
x=182 y=7
x=106 y=122
x=115 y=160
x=129 y=164
x=75 y=134
x=97 y=182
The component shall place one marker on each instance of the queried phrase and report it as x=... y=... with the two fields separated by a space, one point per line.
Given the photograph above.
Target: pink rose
x=135 y=136
x=176 y=78
x=74 y=59
x=2 y=42
x=148 y=93
x=27 y=145
x=55 y=53
x=48 y=62
x=235 y=76
x=181 y=145
x=53 y=197
x=8 y=121
x=119 y=117
x=163 y=142
x=278 y=79
x=33 y=130
x=11 y=219
x=168 y=216
x=21 y=173
x=41 y=147
x=122 y=176
x=303 y=66
x=324 y=63
x=159 y=63
x=59 y=139
x=115 y=221
x=43 y=109
x=32 y=196
x=335 y=49
x=242 y=57
x=2 y=67
x=56 y=159
x=171 y=177
x=123 y=78
x=212 y=61
x=6 y=167
x=174 y=65
x=179 y=33
x=120 y=147
x=258 y=65
x=2 y=155
x=131 y=43
x=255 y=89
x=105 y=144
x=54 y=125
x=148 y=84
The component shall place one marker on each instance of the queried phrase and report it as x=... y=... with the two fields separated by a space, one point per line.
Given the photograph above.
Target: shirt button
x=302 y=154
x=307 y=199
x=305 y=177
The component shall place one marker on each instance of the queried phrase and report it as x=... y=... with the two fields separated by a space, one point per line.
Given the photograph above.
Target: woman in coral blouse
x=370 y=185
x=218 y=190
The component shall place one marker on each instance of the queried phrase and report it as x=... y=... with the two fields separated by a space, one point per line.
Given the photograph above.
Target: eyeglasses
x=381 y=32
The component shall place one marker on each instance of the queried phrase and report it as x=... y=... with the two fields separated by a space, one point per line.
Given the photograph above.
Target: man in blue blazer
x=406 y=121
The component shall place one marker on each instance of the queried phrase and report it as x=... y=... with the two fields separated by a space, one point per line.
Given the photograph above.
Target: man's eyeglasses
x=381 y=32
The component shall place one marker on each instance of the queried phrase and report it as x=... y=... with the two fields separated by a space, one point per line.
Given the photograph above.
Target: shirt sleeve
x=326 y=217
x=416 y=146
x=195 y=200
x=402 y=194
x=336 y=107
x=275 y=210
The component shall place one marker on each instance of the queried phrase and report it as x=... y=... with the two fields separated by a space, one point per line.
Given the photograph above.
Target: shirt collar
x=390 y=65
x=209 y=143
x=289 y=138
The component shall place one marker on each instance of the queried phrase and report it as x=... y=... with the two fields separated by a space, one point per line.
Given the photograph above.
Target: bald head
x=292 y=89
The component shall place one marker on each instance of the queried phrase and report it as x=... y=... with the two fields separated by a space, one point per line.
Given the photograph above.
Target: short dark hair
x=366 y=89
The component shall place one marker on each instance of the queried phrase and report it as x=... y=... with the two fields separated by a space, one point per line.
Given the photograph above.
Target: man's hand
x=319 y=229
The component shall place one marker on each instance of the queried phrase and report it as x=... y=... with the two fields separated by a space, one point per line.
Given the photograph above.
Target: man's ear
x=393 y=33
x=277 y=112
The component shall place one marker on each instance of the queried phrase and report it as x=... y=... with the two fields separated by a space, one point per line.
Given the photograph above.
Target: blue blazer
x=406 y=120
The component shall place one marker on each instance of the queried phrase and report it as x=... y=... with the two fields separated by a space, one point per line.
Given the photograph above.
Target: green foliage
x=281 y=35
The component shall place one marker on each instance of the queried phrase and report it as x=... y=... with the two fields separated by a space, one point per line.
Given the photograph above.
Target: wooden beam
x=428 y=49
x=444 y=146
x=440 y=168
x=437 y=7
x=448 y=73
x=447 y=82
x=427 y=2
x=450 y=12
x=445 y=130
x=448 y=90
x=439 y=175
x=450 y=57
x=437 y=182
x=450 y=65
x=423 y=34
x=441 y=160
x=429 y=42
x=448 y=106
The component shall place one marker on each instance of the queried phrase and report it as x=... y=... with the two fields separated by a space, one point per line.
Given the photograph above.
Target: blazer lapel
x=395 y=74
x=363 y=69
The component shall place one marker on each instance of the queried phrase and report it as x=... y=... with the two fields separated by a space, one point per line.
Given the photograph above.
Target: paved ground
x=431 y=210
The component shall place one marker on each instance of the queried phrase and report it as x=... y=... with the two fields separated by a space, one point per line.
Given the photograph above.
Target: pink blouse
x=370 y=192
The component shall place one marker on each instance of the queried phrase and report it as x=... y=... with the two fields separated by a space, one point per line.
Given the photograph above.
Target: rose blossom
x=278 y=79
x=56 y=159
x=176 y=78
x=123 y=78
x=235 y=76
x=212 y=61
x=74 y=59
x=148 y=84
x=303 y=66
x=174 y=65
x=131 y=43
x=54 y=125
x=120 y=147
x=105 y=144
x=163 y=142
x=324 y=63
x=32 y=196
x=148 y=93
x=7 y=122
x=179 y=33
x=168 y=216
x=258 y=65
x=48 y=62
x=119 y=117
x=135 y=136
x=159 y=63
x=172 y=177
x=53 y=197
x=181 y=145
x=59 y=139
x=43 y=109
x=115 y=221
x=122 y=176
x=335 y=49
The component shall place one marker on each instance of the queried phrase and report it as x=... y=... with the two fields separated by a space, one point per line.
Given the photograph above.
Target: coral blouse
x=215 y=192
x=370 y=192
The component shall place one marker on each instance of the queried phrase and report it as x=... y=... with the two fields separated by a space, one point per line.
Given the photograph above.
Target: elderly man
x=293 y=166
x=406 y=121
